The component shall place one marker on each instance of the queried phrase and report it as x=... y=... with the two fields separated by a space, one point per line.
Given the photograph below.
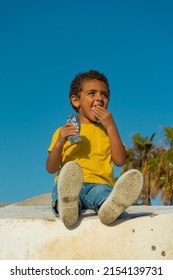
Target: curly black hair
x=77 y=83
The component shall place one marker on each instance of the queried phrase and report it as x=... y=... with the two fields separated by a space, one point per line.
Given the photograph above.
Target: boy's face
x=95 y=93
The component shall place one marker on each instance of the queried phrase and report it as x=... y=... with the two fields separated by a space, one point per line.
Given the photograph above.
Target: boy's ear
x=75 y=101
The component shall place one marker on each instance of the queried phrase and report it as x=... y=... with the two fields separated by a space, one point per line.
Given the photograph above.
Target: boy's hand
x=67 y=130
x=104 y=116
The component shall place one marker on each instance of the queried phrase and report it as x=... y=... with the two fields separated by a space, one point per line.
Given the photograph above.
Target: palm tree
x=169 y=135
x=156 y=165
x=166 y=180
x=137 y=157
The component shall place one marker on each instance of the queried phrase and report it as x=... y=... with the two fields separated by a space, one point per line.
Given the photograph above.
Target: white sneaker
x=125 y=192
x=69 y=186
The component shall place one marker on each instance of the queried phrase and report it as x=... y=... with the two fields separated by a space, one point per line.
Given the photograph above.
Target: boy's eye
x=105 y=94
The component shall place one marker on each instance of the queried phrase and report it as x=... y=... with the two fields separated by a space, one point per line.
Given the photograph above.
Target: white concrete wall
x=33 y=232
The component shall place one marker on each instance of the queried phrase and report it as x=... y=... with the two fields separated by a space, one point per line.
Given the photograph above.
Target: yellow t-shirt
x=93 y=153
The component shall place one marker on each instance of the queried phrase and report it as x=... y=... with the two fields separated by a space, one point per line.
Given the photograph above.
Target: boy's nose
x=99 y=96
x=99 y=100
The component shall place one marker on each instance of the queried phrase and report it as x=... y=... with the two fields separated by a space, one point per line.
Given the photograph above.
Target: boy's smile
x=93 y=98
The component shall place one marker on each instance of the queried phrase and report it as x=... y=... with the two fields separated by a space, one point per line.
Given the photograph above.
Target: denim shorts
x=91 y=196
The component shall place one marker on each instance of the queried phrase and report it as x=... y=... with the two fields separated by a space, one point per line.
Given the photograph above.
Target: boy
x=85 y=178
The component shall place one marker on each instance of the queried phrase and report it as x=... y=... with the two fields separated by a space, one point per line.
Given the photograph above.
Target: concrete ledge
x=33 y=232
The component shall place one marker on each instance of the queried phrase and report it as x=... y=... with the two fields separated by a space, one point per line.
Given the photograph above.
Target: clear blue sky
x=45 y=43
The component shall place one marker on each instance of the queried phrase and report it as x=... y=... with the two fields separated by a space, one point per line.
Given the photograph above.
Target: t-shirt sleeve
x=54 y=140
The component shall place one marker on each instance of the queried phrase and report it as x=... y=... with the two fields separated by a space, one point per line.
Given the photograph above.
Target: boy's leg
x=69 y=186
x=93 y=195
x=125 y=192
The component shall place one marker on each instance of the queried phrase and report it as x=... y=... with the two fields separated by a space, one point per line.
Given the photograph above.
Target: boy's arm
x=54 y=158
x=117 y=148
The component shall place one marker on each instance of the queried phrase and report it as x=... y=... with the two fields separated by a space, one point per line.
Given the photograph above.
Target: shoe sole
x=69 y=186
x=125 y=192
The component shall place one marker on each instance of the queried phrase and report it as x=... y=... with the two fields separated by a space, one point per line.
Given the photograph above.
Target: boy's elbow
x=50 y=171
x=121 y=161
x=49 y=168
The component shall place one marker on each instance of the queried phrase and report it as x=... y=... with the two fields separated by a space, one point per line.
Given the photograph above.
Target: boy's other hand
x=104 y=116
